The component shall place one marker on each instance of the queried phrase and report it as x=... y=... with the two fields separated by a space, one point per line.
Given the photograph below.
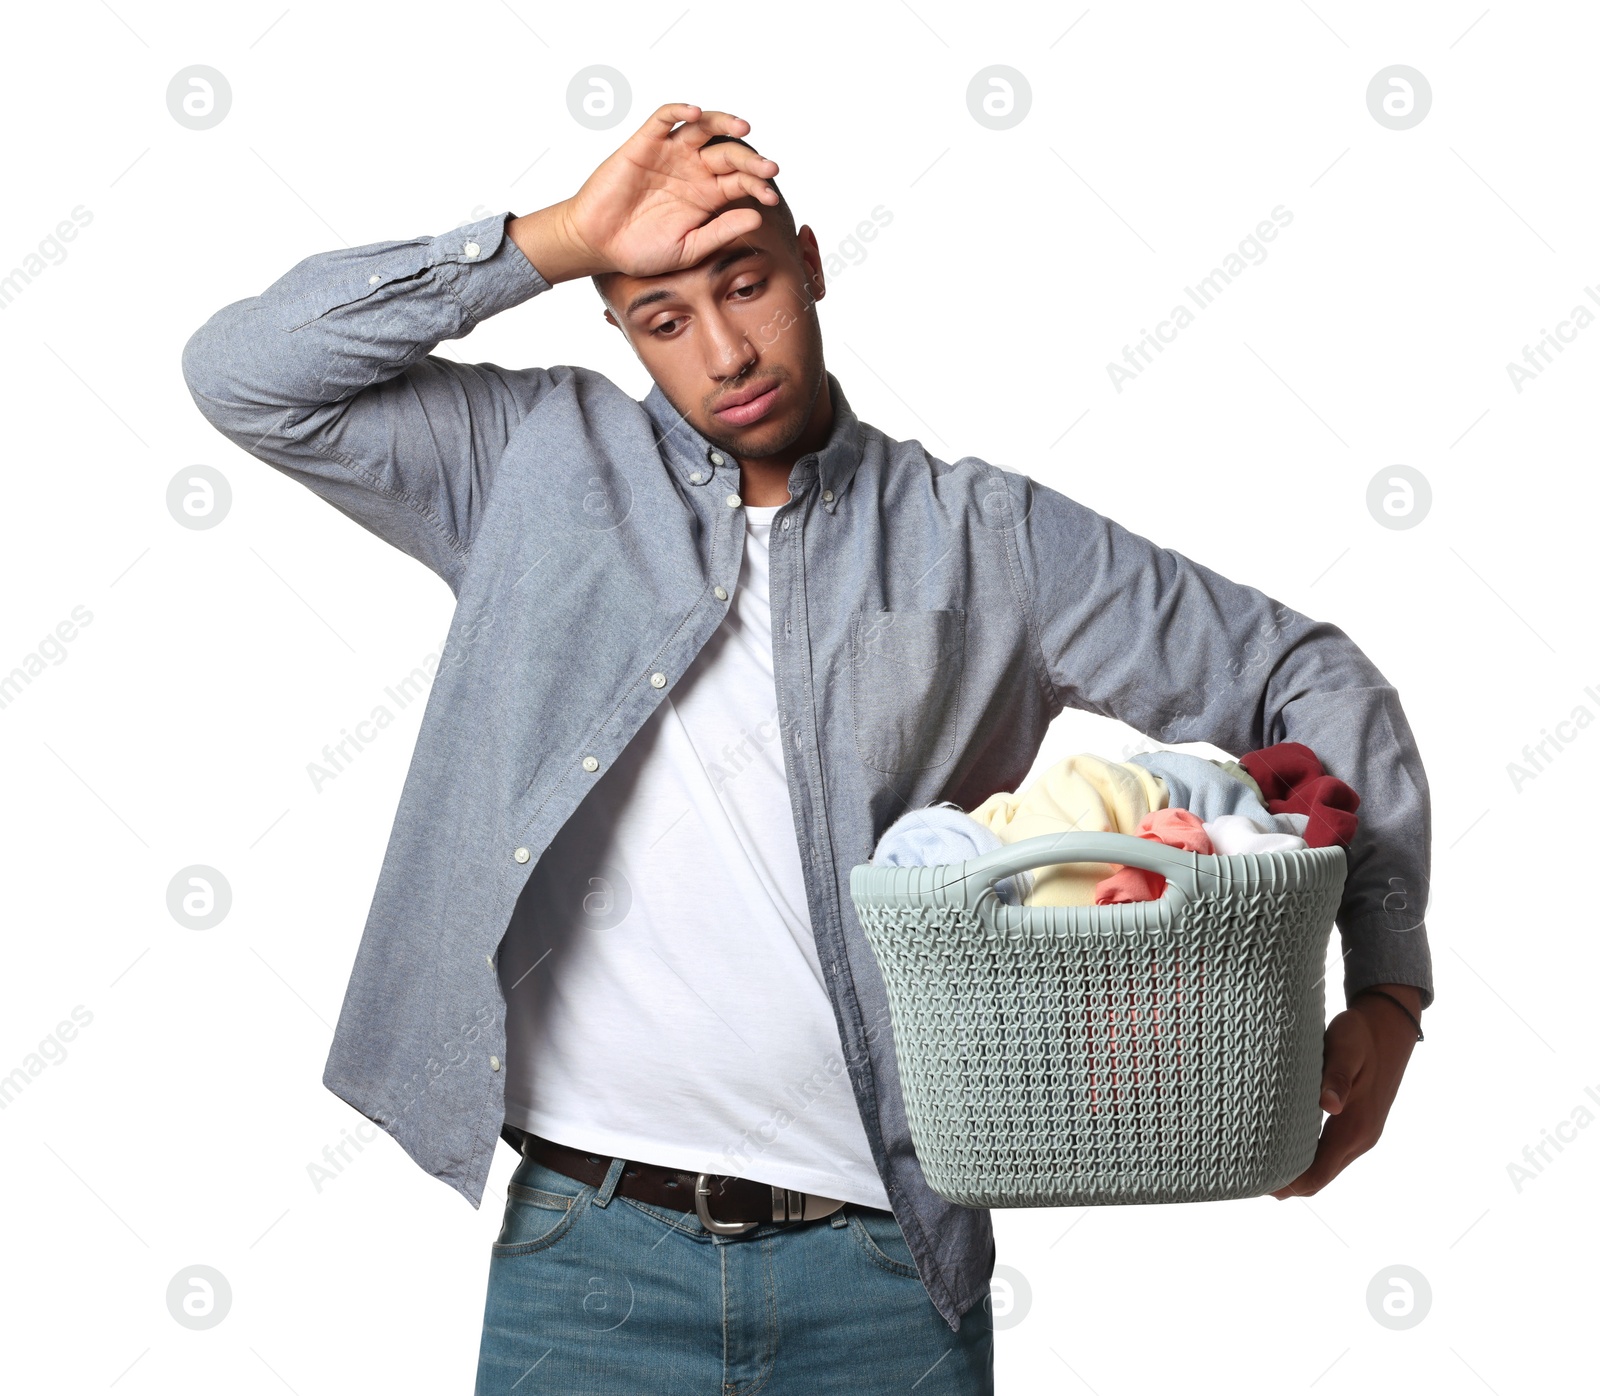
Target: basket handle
x=1178 y=867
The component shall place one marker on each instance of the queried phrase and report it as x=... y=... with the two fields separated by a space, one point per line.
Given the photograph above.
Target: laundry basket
x=1157 y=1051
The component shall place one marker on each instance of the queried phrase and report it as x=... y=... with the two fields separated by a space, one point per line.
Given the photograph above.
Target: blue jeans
x=594 y=1294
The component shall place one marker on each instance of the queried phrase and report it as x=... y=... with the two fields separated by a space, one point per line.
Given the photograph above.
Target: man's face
x=734 y=341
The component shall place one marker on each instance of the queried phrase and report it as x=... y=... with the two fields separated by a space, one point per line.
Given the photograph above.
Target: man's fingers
x=1344 y=1139
x=737 y=186
x=721 y=230
x=1346 y=1048
x=697 y=131
x=664 y=118
x=1325 y=1167
x=1335 y=1089
x=1358 y=1086
x=730 y=157
x=1325 y=1163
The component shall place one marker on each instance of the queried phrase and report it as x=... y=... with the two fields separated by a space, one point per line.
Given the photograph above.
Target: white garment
x=1234 y=833
x=660 y=967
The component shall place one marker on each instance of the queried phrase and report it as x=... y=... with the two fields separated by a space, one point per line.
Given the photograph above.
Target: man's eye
x=665 y=326
x=752 y=287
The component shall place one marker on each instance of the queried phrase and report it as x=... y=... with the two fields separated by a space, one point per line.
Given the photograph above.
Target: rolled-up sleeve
x=328 y=376
x=1143 y=634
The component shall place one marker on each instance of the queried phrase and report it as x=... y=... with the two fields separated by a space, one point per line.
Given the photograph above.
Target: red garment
x=1293 y=781
x=1177 y=828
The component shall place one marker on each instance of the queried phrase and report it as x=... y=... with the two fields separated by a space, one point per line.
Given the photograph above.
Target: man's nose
x=731 y=352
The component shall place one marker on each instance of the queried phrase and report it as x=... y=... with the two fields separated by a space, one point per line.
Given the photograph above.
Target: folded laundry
x=1292 y=779
x=1082 y=793
x=1233 y=833
x=1177 y=828
x=945 y=833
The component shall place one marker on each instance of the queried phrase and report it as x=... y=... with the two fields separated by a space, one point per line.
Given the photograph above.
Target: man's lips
x=749 y=404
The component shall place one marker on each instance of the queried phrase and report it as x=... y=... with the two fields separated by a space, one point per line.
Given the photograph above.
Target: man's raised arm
x=328 y=374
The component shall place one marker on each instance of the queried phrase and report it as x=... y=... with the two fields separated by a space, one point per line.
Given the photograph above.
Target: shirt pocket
x=905 y=686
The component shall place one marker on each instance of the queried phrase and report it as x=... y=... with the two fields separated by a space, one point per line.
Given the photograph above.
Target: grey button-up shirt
x=929 y=619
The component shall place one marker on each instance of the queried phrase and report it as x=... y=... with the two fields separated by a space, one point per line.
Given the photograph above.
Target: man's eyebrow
x=726 y=260
x=647 y=298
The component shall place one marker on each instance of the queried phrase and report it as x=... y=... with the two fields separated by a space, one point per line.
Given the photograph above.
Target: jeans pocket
x=881 y=1240
x=905 y=677
x=537 y=1217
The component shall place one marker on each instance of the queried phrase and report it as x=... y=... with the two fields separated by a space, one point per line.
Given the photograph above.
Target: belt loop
x=609 y=1184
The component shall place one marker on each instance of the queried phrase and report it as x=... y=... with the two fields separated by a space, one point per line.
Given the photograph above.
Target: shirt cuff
x=489 y=272
x=1376 y=953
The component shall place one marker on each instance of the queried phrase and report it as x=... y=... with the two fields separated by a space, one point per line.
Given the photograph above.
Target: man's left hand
x=1364 y=1055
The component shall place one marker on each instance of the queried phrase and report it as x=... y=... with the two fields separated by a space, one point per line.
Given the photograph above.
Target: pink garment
x=1177 y=828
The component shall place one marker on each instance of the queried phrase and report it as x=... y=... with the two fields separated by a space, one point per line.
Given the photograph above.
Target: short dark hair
x=782 y=205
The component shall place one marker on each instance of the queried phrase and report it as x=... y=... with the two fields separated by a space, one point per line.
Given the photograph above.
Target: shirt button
x=716 y=458
x=521 y=855
x=828 y=495
x=721 y=593
x=494 y=1063
x=490 y=960
x=470 y=250
x=658 y=680
x=696 y=477
x=372 y=280
x=590 y=764
x=734 y=501
x=786 y=523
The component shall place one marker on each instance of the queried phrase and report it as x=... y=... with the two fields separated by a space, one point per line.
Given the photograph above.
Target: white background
x=176 y=728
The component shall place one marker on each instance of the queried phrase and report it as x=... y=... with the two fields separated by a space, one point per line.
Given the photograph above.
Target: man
x=706 y=648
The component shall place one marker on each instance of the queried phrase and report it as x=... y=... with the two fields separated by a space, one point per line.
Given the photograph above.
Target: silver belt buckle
x=787 y=1205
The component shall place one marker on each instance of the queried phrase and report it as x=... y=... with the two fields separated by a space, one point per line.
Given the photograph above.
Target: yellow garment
x=1084 y=793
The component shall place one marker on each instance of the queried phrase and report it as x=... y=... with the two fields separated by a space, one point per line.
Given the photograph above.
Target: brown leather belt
x=740 y=1203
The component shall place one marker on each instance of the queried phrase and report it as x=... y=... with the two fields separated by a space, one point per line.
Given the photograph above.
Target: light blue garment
x=945 y=833
x=1238 y=772
x=1207 y=791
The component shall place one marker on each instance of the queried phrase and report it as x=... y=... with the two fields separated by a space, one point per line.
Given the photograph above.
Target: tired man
x=706 y=648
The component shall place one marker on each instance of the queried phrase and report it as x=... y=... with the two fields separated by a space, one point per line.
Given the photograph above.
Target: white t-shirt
x=660 y=969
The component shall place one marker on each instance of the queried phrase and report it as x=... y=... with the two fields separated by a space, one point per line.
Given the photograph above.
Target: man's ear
x=621 y=329
x=811 y=259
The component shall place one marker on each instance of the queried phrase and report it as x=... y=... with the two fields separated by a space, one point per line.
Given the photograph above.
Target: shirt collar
x=692 y=456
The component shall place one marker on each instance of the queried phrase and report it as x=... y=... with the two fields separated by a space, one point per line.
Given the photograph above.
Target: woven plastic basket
x=1159 y=1051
